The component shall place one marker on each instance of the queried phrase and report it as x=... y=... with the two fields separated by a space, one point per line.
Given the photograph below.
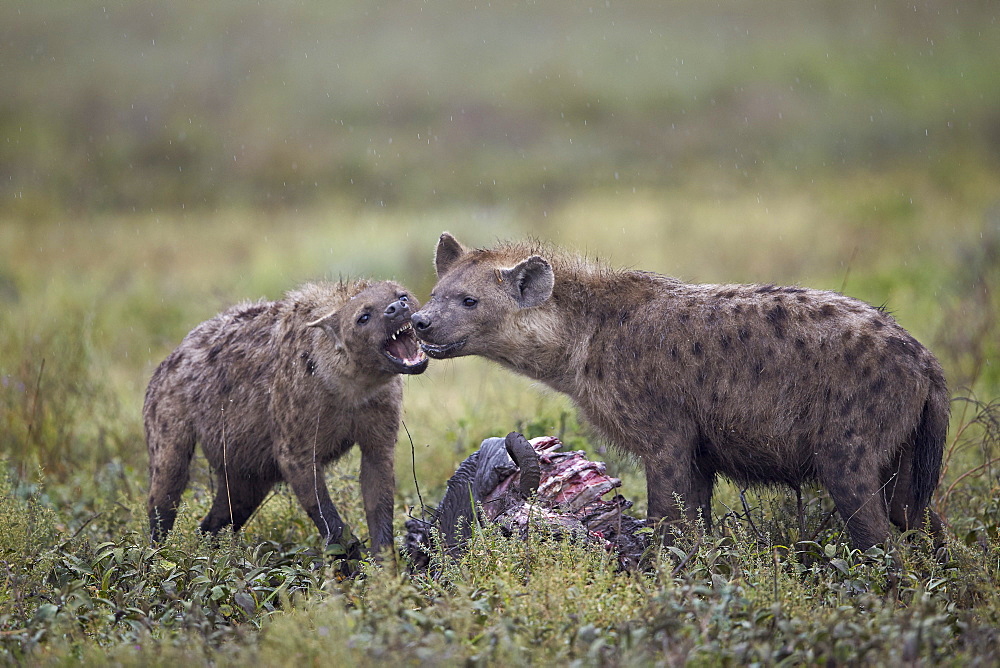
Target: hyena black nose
x=398 y=306
x=420 y=321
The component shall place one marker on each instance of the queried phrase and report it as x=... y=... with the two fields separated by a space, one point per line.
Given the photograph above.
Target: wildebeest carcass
x=517 y=483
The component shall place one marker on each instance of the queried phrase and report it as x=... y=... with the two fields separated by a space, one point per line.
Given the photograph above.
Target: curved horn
x=527 y=460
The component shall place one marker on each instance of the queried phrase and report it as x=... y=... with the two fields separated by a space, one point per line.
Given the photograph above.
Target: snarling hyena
x=759 y=383
x=274 y=391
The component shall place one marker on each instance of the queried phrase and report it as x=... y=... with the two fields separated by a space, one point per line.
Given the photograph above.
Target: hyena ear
x=447 y=252
x=530 y=282
x=330 y=324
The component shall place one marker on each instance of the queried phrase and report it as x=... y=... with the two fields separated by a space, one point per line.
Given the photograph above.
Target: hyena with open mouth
x=276 y=390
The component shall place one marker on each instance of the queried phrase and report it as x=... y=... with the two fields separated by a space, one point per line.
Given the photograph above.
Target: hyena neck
x=553 y=343
x=355 y=385
x=535 y=343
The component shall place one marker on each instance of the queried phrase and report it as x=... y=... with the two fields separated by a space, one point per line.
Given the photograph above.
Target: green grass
x=162 y=162
x=94 y=308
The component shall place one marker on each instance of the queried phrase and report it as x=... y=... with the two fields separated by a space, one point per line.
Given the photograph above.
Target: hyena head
x=372 y=330
x=479 y=300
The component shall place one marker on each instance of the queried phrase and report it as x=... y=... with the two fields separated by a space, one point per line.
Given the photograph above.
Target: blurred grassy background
x=160 y=161
x=146 y=105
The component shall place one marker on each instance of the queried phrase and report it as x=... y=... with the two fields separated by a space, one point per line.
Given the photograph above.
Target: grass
x=80 y=580
x=163 y=162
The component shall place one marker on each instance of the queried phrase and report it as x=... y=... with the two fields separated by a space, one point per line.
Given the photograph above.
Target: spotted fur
x=275 y=391
x=759 y=383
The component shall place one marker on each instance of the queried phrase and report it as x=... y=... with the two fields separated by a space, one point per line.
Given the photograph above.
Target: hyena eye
x=403 y=298
x=470 y=302
x=364 y=318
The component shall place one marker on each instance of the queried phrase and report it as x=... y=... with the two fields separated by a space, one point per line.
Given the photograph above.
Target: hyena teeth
x=259 y=333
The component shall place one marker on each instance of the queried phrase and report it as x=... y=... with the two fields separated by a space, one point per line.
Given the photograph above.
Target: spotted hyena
x=759 y=383
x=276 y=390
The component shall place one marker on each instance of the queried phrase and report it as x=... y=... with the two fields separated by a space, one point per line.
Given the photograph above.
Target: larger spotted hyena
x=274 y=391
x=759 y=383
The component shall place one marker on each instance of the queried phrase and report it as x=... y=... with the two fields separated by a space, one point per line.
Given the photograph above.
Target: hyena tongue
x=405 y=347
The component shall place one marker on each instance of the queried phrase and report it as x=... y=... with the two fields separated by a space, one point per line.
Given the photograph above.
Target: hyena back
x=762 y=384
x=276 y=390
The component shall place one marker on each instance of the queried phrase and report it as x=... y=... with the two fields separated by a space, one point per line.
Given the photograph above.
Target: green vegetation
x=160 y=161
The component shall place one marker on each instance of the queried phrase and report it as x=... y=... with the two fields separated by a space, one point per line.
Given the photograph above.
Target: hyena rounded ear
x=329 y=323
x=530 y=283
x=447 y=252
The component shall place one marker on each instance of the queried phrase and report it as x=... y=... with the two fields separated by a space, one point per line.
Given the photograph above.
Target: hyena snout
x=436 y=342
x=397 y=309
x=421 y=322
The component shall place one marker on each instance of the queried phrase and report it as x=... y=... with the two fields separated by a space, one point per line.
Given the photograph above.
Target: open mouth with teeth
x=442 y=351
x=404 y=352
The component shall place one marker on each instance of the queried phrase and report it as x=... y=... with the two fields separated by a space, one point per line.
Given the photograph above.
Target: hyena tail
x=929 y=442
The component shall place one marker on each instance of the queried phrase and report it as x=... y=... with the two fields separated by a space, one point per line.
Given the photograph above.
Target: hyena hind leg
x=169 y=465
x=904 y=511
x=862 y=506
x=234 y=504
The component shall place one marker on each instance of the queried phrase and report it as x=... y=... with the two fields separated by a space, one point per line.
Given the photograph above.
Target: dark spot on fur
x=250 y=313
x=765 y=289
x=800 y=343
x=725 y=341
x=310 y=363
x=758 y=367
x=697 y=349
x=173 y=361
x=213 y=352
x=743 y=334
x=877 y=386
x=777 y=315
x=824 y=311
x=846 y=407
x=877 y=323
x=726 y=294
x=850 y=355
x=907 y=346
x=793 y=290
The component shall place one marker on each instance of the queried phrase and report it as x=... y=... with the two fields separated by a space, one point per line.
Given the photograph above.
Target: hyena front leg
x=674 y=482
x=378 y=486
x=307 y=482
